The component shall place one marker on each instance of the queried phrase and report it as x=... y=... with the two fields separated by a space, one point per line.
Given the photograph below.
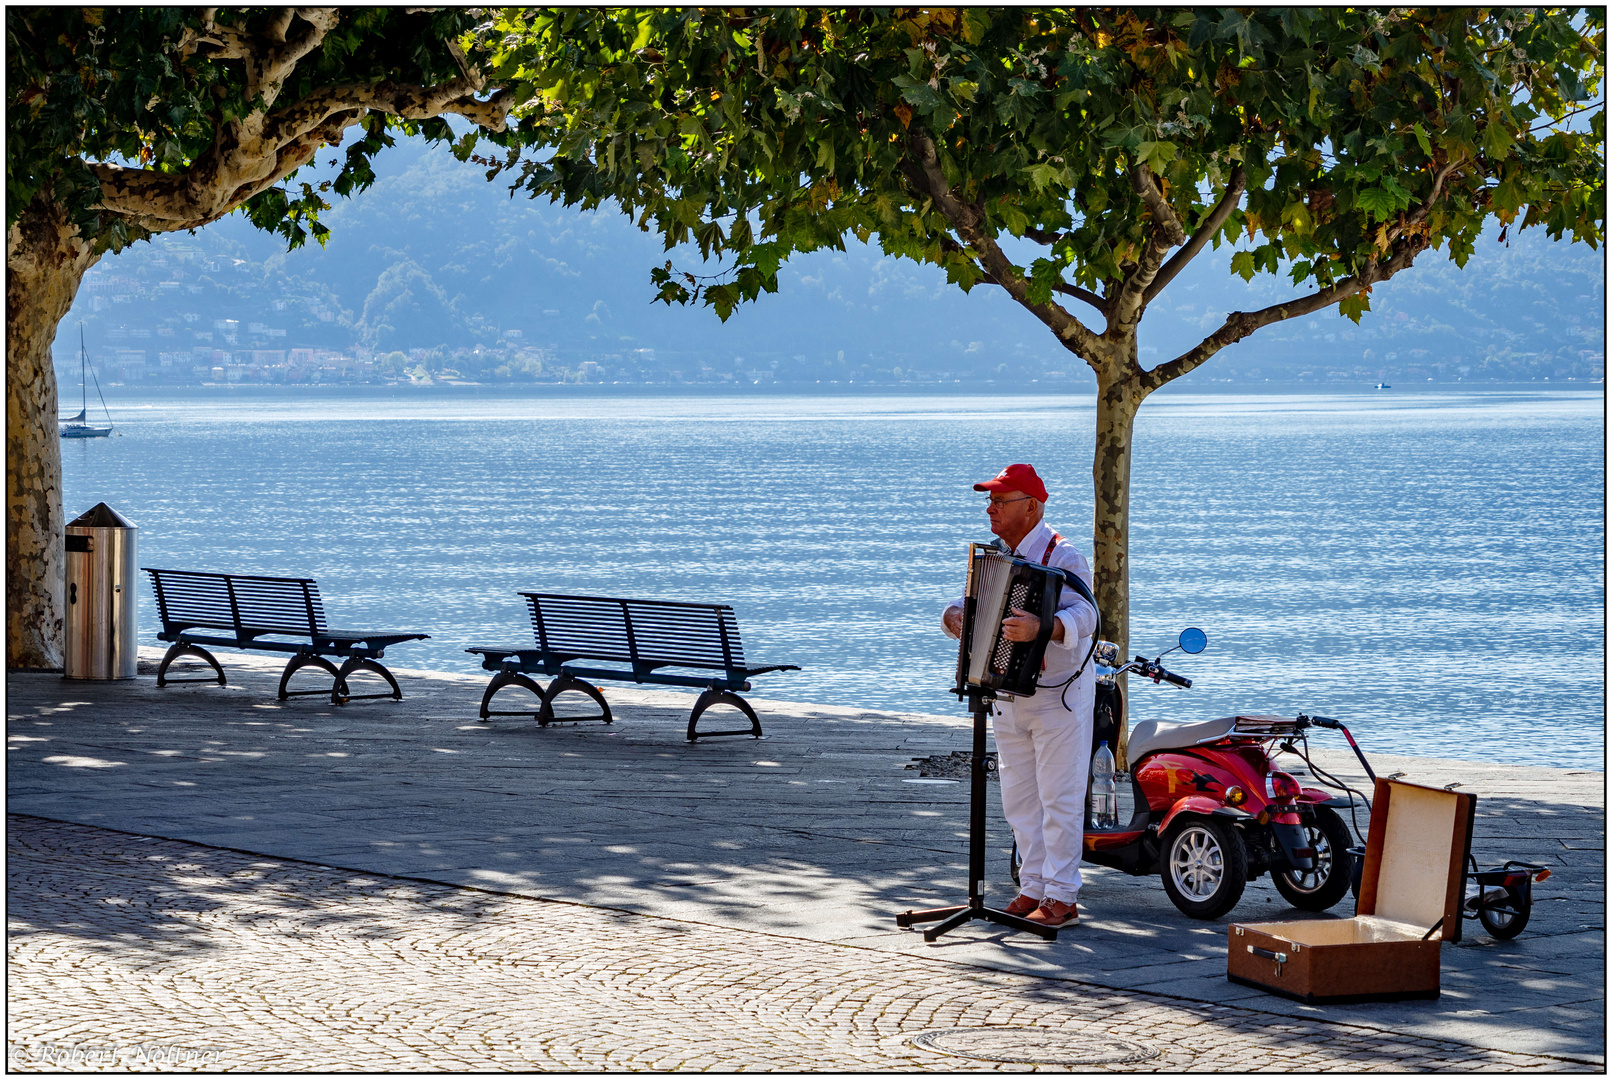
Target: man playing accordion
x=1043 y=742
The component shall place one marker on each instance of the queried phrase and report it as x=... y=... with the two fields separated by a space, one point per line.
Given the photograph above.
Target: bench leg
x=510 y=678
x=722 y=697
x=560 y=685
x=364 y=663
x=338 y=688
x=181 y=649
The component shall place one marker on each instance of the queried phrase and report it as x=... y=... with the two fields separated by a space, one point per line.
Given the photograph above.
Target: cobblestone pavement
x=143 y=954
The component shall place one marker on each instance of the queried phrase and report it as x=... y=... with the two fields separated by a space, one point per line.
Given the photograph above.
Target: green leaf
x=1156 y=155
x=1353 y=307
x=1377 y=202
x=924 y=98
x=825 y=156
x=1508 y=195
x=1012 y=218
x=722 y=299
x=1042 y=175
x=1497 y=141
x=1421 y=138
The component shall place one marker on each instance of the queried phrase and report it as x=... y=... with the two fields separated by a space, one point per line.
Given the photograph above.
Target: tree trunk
x=1118 y=398
x=45 y=262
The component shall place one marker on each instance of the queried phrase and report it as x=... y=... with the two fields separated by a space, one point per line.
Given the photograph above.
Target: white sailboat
x=79 y=427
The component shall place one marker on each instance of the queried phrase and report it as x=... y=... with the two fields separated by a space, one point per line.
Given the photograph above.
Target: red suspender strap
x=1045 y=555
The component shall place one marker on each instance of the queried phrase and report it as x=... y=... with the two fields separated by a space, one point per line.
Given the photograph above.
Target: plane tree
x=123 y=123
x=1077 y=159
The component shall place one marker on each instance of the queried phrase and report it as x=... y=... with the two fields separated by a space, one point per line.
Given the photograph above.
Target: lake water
x=1427 y=567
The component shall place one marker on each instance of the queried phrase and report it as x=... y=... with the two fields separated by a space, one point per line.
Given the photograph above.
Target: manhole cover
x=1034 y=1046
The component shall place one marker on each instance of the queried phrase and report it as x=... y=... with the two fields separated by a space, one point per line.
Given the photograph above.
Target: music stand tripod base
x=950 y=918
x=953 y=917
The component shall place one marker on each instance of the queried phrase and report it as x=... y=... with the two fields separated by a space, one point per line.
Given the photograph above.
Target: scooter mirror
x=1193 y=640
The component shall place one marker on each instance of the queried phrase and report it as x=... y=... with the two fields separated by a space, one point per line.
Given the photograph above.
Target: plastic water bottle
x=1104 y=795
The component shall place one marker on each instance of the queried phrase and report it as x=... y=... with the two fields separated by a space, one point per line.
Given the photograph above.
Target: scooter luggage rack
x=1264 y=726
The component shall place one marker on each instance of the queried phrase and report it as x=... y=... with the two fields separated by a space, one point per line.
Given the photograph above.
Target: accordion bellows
x=997 y=584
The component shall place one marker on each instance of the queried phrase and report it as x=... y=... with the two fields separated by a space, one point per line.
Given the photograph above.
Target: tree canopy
x=126 y=122
x=142 y=120
x=1349 y=136
x=1077 y=158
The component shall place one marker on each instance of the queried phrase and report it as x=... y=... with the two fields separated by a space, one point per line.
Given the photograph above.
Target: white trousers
x=1043 y=754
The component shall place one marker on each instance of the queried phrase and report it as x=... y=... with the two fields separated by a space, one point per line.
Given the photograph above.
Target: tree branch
x=1050 y=239
x=1211 y=225
x=1126 y=310
x=220 y=46
x=1147 y=187
x=472 y=74
x=214 y=183
x=282 y=23
x=277 y=64
x=923 y=173
x=395 y=99
x=295 y=154
x=1417 y=216
x=1239 y=324
x=949 y=245
x=1081 y=294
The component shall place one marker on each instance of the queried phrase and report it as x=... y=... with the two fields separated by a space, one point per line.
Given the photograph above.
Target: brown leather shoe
x=1022 y=906
x=1055 y=913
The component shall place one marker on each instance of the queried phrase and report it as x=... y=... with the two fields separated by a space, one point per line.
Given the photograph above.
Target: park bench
x=647 y=635
x=258 y=613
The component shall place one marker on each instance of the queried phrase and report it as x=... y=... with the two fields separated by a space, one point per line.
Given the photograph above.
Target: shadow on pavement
x=814 y=831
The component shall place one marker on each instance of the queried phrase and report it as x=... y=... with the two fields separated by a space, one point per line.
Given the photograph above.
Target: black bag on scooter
x=1108 y=711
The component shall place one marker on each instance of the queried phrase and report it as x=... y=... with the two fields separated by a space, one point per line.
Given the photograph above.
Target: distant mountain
x=436 y=263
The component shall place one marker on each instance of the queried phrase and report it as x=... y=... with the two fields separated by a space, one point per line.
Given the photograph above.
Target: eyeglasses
x=993 y=504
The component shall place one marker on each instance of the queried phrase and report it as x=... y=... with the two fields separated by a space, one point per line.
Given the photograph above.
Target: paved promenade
x=500 y=896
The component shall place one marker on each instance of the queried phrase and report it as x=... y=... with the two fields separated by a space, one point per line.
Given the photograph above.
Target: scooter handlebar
x=1151 y=669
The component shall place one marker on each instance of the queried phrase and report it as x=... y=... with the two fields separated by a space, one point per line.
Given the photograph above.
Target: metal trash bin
x=102 y=640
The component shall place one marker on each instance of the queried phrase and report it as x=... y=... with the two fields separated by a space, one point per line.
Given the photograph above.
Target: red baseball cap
x=1021 y=478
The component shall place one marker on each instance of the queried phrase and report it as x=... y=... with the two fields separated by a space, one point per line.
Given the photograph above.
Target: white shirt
x=1078 y=617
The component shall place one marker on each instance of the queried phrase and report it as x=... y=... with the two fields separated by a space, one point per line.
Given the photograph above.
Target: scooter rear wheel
x=1204 y=866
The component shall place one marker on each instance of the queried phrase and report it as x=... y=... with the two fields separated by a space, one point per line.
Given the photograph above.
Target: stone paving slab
x=138 y=954
x=813 y=832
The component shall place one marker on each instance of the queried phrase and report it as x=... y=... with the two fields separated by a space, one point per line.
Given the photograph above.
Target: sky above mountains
x=433 y=255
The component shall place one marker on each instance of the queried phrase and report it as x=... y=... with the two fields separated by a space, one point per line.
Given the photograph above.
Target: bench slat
x=245 y=604
x=641 y=631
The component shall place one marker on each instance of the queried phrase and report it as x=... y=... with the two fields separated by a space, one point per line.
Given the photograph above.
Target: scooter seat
x=1152 y=735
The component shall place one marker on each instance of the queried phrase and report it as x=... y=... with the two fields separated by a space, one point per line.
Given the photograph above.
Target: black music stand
x=979 y=703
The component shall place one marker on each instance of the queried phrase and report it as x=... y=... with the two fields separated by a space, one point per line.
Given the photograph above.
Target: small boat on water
x=1383 y=386
x=79 y=427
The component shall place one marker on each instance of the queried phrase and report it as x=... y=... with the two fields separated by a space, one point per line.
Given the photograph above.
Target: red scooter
x=1211 y=809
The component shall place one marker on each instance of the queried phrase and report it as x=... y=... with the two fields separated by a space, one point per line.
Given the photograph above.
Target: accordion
x=998 y=583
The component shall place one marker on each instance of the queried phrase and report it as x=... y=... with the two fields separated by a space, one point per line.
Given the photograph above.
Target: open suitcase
x=1410 y=903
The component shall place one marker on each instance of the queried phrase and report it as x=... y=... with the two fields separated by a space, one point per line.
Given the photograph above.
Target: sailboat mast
x=83 y=388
